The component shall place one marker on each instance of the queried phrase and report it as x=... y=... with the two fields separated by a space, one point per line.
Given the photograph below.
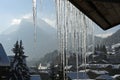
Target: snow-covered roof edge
x=4 y=61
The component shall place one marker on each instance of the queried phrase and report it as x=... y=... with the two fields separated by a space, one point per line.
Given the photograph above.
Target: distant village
x=102 y=65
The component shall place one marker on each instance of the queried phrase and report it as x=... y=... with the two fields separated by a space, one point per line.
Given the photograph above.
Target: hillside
x=46 y=39
x=113 y=39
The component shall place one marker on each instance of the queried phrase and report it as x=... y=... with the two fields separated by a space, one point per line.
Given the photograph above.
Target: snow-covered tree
x=19 y=70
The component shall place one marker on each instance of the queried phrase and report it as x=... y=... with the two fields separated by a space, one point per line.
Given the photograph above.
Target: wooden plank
x=105 y=13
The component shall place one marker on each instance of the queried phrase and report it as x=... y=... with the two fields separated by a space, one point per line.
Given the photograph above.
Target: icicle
x=40 y=5
x=73 y=34
x=34 y=20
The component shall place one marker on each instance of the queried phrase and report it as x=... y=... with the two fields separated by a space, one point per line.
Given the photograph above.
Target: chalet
x=4 y=64
x=42 y=68
x=115 y=56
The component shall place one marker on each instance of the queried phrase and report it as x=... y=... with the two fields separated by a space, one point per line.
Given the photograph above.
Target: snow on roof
x=89 y=53
x=99 y=62
x=105 y=77
x=117 y=75
x=81 y=75
x=84 y=70
x=68 y=67
x=115 y=45
x=82 y=65
x=82 y=79
x=4 y=61
x=99 y=72
x=42 y=67
x=35 y=77
x=116 y=66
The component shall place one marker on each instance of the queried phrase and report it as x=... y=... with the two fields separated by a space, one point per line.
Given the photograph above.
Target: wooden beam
x=98 y=12
x=109 y=1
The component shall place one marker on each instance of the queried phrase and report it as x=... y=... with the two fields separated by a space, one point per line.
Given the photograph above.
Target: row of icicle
x=75 y=34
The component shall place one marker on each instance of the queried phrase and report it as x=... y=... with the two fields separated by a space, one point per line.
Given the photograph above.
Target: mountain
x=113 y=39
x=50 y=57
x=98 y=40
x=46 y=40
x=110 y=40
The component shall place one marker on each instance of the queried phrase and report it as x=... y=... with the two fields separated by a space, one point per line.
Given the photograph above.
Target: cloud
x=104 y=35
x=15 y=21
x=51 y=22
x=27 y=16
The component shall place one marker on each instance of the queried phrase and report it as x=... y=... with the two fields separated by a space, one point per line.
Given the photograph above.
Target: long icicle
x=64 y=39
x=34 y=20
x=73 y=34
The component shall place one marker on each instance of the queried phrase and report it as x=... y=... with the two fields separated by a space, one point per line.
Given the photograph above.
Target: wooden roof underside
x=105 y=13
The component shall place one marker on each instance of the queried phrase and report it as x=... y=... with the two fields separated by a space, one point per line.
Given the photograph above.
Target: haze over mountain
x=113 y=39
x=108 y=41
x=46 y=38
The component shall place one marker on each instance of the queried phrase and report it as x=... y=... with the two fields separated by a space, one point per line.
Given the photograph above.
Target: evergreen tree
x=19 y=68
x=52 y=72
x=56 y=73
x=104 y=49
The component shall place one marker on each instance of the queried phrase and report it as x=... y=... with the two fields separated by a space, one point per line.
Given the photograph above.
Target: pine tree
x=52 y=72
x=19 y=68
x=104 y=49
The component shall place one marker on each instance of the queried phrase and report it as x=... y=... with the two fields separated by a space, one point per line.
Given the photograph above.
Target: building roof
x=116 y=45
x=35 y=77
x=99 y=72
x=104 y=77
x=4 y=61
x=116 y=75
x=104 y=13
x=40 y=67
x=68 y=67
x=81 y=75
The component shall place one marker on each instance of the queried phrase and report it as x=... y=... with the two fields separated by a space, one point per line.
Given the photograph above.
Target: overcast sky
x=11 y=11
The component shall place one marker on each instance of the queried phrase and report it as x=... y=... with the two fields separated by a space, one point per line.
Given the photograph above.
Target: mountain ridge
x=98 y=40
x=45 y=42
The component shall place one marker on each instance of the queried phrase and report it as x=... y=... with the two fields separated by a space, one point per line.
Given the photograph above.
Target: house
x=42 y=68
x=101 y=72
x=11 y=58
x=35 y=77
x=116 y=77
x=115 y=56
x=116 y=48
x=44 y=75
x=93 y=74
x=80 y=75
x=70 y=68
x=4 y=64
x=104 y=77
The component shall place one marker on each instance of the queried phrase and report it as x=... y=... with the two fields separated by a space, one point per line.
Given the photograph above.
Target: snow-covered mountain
x=113 y=39
x=108 y=40
x=46 y=38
